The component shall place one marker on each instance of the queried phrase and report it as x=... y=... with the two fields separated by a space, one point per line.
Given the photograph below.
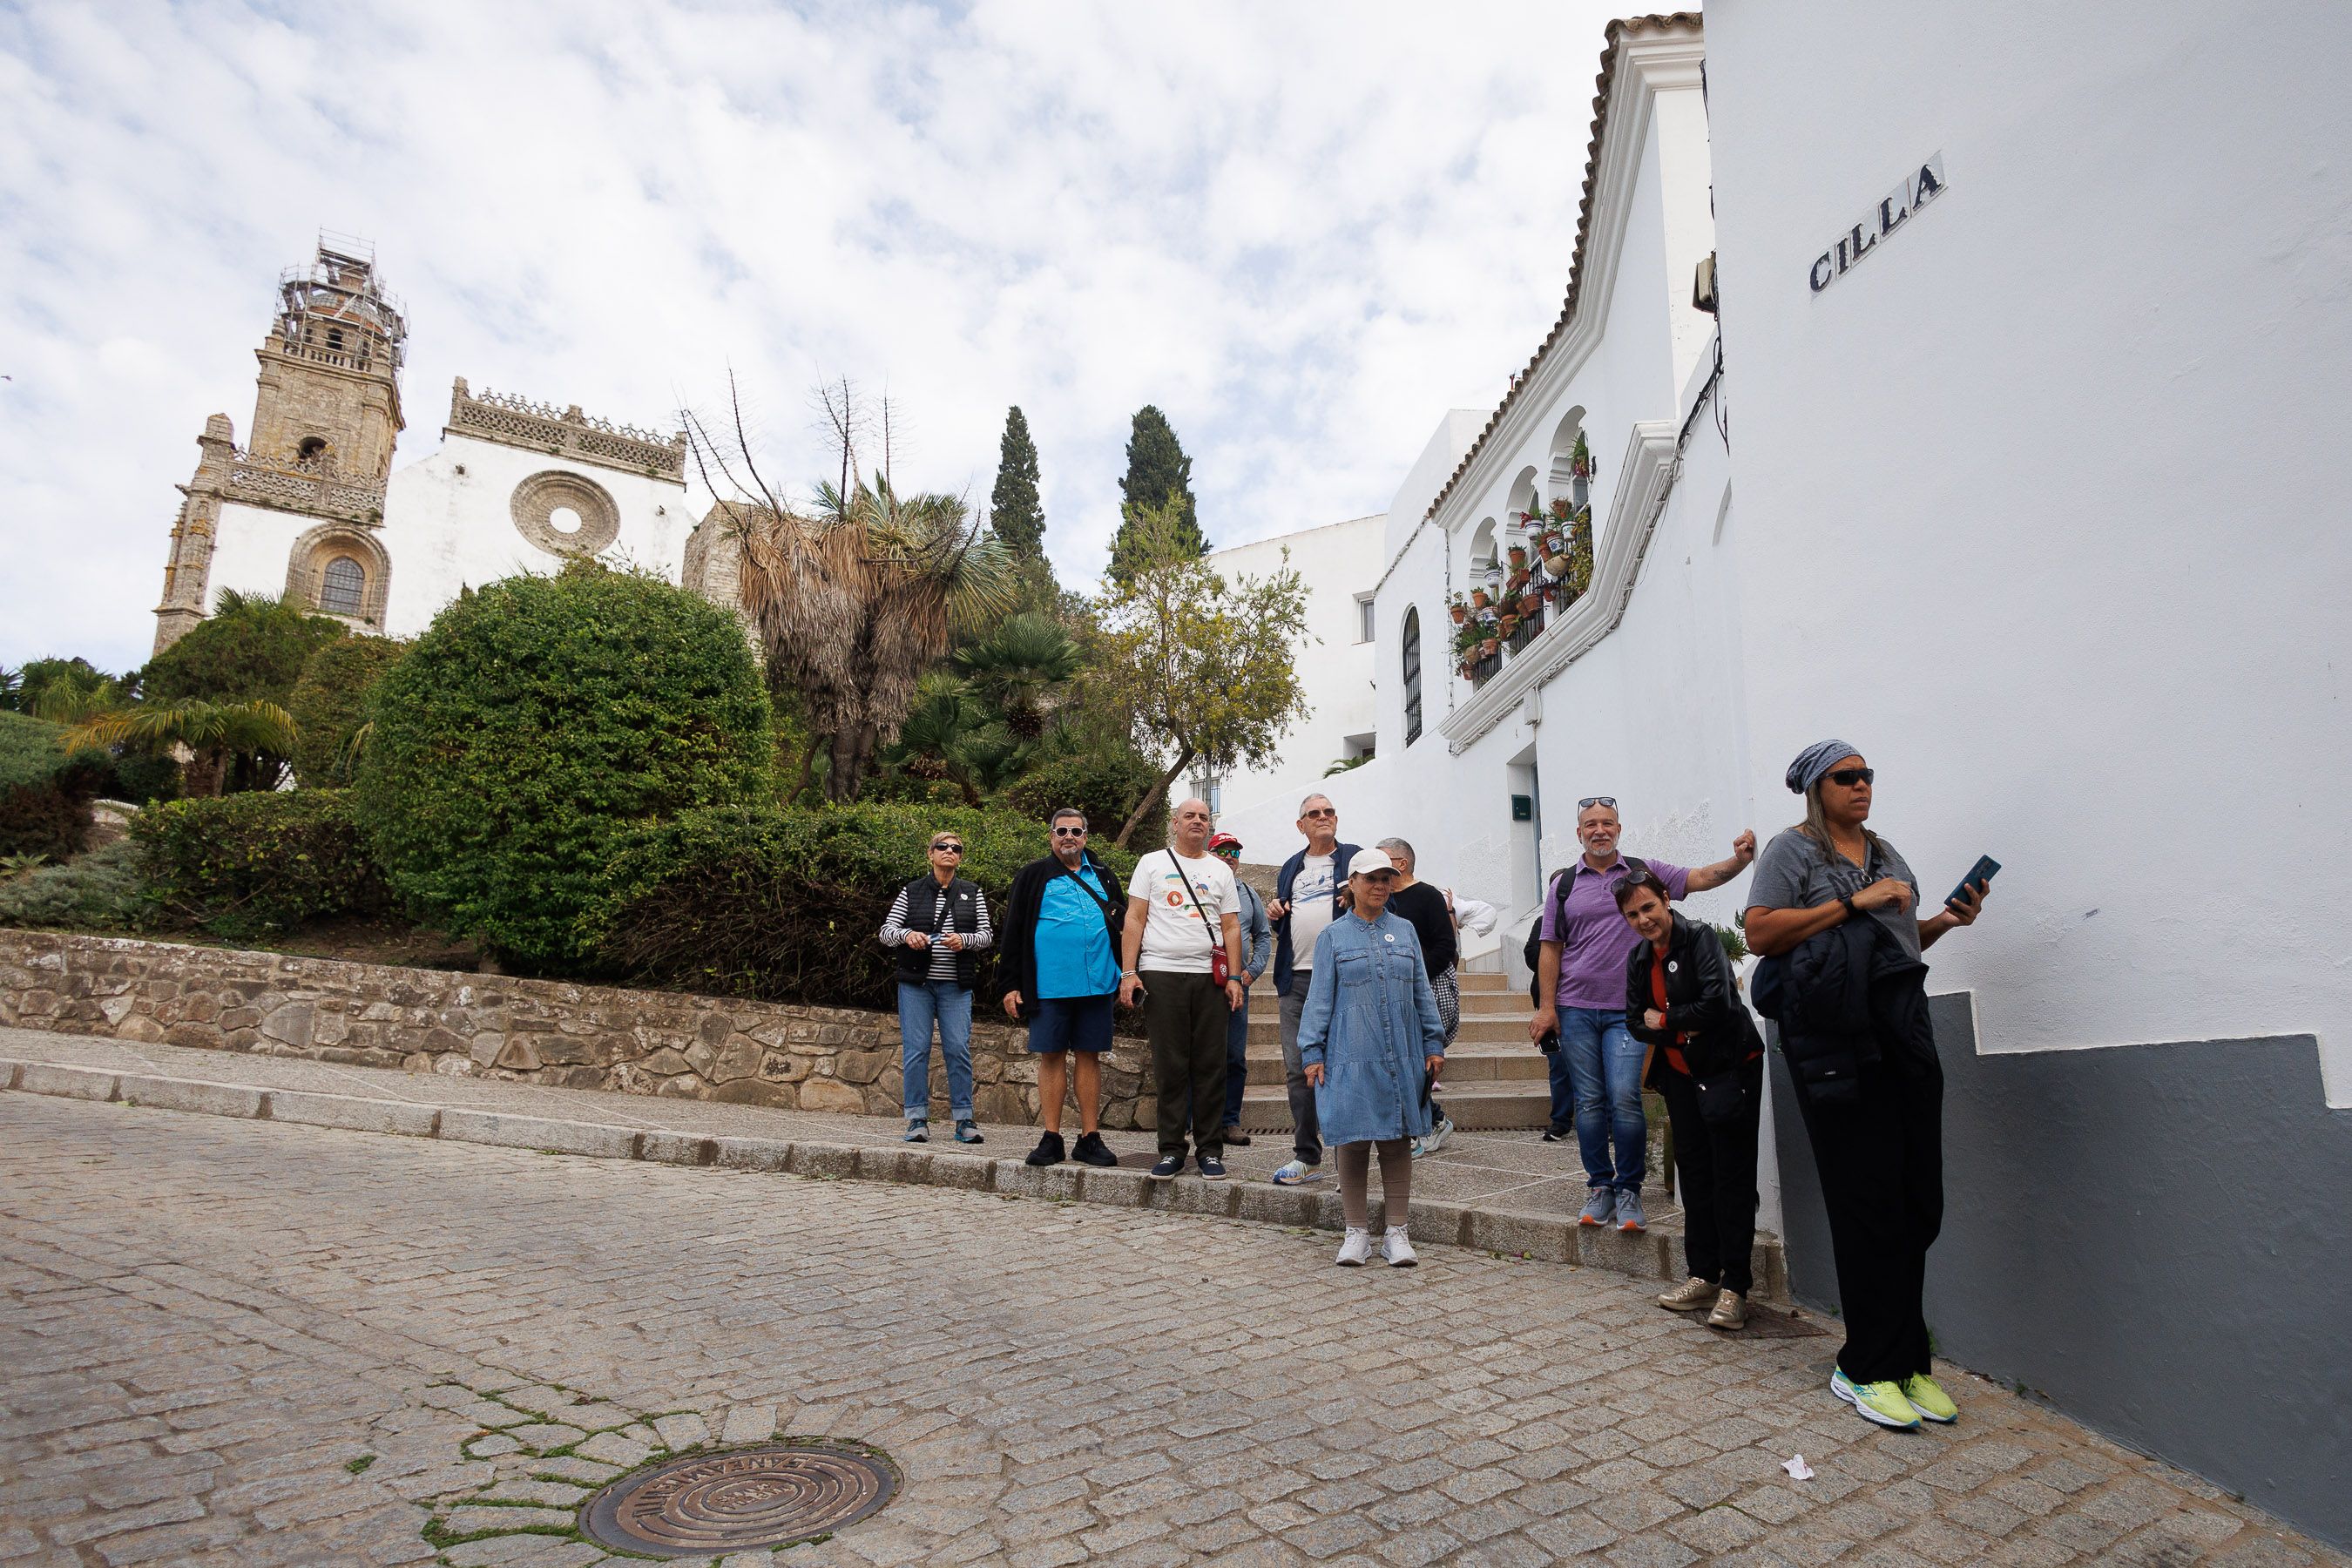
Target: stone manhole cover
x=708 y=1504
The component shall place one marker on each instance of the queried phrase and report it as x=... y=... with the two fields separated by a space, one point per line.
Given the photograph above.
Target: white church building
x=312 y=508
x=1967 y=383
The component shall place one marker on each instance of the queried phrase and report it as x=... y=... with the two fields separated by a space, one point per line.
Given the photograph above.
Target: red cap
x=1223 y=841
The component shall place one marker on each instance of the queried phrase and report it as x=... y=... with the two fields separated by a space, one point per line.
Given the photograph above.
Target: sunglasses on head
x=1590 y=801
x=1069 y=833
x=1846 y=778
x=950 y=848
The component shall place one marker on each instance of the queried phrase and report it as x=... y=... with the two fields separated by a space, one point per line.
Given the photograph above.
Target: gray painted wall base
x=2156 y=1237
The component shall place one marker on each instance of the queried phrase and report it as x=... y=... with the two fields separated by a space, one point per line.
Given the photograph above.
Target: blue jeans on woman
x=1604 y=1062
x=951 y=1005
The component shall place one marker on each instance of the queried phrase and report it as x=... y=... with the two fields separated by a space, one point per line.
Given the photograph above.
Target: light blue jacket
x=1372 y=1021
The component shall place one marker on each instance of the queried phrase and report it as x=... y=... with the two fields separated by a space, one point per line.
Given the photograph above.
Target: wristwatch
x=1847 y=899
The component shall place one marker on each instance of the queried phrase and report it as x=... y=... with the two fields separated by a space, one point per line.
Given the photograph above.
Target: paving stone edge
x=1540 y=1237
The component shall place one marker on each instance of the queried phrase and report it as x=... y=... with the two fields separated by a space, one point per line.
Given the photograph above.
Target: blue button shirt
x=1074 y=956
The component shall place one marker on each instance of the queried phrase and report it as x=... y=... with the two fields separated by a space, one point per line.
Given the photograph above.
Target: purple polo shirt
x=1599 y=941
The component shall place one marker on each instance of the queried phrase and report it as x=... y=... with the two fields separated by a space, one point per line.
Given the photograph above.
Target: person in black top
x=939 y=923
x=1706 y=1061
x=1431 y=914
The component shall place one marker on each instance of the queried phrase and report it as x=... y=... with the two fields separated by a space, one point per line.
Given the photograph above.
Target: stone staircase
x=1495 y=1078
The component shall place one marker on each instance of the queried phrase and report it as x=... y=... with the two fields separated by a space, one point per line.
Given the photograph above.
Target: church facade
x=311 y=506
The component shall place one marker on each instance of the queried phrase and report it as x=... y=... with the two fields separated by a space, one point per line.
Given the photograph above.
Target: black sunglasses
x=950 y=848
x=1590 y=801
x=1327 y=811
x=1069 y=833
x=1846 y=778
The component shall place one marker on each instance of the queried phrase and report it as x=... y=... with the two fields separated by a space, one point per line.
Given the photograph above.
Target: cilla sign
x=1922 y=186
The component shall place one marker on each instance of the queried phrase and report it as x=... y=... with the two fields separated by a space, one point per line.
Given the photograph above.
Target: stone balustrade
x=496 y=1026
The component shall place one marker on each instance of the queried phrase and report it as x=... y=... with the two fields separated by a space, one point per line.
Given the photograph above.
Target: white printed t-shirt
x=1173 y=939
x=1311 y=892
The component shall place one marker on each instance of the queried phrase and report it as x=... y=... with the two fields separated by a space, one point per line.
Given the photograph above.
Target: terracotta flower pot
x=1461 y=613
x=1518 y=556
x=1488 y=648
x=1478 y=599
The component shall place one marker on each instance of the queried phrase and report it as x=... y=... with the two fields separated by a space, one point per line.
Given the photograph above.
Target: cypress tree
x=1012 y=507
x=1159 y=474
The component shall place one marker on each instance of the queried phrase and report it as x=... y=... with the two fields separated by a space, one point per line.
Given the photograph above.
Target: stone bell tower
x=326 y=414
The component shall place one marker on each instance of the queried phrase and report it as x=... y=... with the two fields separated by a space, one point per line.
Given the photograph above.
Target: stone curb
x=1542 y=1238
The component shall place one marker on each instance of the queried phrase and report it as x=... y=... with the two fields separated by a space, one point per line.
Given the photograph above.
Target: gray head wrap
x=1813 y=762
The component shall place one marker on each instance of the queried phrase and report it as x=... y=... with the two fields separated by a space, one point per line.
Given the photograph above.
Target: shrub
x=330 y=704
x=249 y=649
x=45 y=789
x=241 y=865
x=784 y=905
x=538 y=723
x=1104 y=785
x=101 y=890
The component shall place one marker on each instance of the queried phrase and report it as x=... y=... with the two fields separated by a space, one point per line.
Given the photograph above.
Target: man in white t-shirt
x=1306 y=900
x=1180 y=910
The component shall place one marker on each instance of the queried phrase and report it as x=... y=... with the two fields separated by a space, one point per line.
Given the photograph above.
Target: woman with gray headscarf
x=1872 y=1099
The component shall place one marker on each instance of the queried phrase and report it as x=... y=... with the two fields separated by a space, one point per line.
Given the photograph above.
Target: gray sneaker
x=1601 y=1208
x=1630 y=1217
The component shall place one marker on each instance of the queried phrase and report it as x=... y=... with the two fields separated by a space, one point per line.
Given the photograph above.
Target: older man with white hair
x=1181 y=953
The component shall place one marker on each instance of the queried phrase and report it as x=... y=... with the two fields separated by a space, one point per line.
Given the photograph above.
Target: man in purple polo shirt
x=1586 y=944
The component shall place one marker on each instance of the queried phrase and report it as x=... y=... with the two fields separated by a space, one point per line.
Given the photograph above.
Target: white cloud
x=1304 y=232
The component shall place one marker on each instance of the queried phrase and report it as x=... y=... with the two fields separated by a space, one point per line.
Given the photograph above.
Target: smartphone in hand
x=1979 y=876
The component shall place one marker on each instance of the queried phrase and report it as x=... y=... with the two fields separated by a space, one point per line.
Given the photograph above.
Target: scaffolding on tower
x=337 y=312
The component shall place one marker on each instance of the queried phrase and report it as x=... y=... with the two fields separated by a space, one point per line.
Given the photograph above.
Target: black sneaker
x=1049 y=1151
x=1211 y=1168
x=1165 y=1170
x=1556 y=1135
x=1093 y=1151
x=1236 y=1139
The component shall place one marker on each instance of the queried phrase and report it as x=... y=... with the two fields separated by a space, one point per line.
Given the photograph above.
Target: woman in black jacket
x=1707 y=1061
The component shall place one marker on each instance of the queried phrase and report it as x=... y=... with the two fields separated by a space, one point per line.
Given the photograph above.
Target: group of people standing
x=1628 y=992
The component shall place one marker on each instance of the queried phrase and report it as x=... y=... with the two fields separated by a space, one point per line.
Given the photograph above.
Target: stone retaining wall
x=526 y=1031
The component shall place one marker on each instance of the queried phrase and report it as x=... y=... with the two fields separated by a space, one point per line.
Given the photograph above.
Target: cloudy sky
x=1303 y=231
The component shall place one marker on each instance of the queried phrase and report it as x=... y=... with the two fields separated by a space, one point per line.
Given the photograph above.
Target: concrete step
x=1463 y=1064
x=1487 y=1107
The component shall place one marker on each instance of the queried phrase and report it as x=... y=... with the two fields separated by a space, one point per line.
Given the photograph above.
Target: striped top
x=943 y=957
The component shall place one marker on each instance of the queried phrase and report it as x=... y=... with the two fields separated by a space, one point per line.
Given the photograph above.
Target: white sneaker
x=1397 y=1251
x=1436 y=1140
x=1354 y=1247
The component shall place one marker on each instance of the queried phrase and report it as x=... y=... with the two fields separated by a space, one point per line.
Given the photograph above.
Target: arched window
x=343 y=587
x=1411 y=675
x=312 y=448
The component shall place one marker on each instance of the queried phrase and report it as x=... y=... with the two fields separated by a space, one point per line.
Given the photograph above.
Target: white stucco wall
x=446 y=529
x=2039 y=502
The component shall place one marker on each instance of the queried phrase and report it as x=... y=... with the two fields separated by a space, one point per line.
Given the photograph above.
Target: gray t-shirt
x=1796 y=873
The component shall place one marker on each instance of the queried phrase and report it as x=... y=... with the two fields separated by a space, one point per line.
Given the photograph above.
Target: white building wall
x=2042 y=498
x=447 y=524
x=252 y=546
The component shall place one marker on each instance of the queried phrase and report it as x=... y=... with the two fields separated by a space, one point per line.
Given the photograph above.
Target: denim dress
x=1372 y=1021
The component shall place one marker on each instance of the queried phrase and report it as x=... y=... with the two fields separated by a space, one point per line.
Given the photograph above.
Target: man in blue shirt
x=1061 y=966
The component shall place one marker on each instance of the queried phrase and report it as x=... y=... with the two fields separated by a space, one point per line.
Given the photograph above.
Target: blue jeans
x=1563 y=1092
x=1604 y=1062
x=951 y=1004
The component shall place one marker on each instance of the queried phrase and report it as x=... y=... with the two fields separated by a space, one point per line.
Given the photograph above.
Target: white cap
x=1364 y=862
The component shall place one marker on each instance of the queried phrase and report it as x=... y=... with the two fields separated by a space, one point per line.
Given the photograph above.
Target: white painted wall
x=446 y=529
x=2040 y=504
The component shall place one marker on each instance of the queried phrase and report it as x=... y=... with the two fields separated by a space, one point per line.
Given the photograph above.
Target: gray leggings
x=1356 y=1175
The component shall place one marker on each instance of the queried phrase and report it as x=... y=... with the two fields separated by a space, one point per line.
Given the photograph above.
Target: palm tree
x=856 y=602
x=232 y=745
x=947 y=735
x=1021 y=669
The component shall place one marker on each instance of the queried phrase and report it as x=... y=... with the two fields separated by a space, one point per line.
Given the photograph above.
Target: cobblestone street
x=230 y=1341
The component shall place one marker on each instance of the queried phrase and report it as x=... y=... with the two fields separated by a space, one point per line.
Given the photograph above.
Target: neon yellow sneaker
x=1879 y=1402
x=1928 y=1398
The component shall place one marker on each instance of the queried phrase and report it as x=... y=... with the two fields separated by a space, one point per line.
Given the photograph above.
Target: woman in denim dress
x=1372 y=1046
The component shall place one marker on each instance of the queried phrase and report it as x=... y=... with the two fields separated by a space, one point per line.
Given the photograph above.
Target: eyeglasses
x=1069 y=833
x=1846 y=778
x=1590 y=801
x=948 y=848
x=1327 y=811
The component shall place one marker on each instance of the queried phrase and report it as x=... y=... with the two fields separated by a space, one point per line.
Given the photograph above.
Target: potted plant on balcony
x=1490 y=646
x=1518 y=551
x=1478 y=599
x=1530 y=602
x=1579 y=459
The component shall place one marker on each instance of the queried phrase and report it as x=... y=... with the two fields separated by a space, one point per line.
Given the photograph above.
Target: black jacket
x=1845 y=999
x=1701 y=1003
x=923 y=895
x=1018 y=940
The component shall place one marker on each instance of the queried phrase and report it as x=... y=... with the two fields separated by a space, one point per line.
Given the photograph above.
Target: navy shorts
x=1071 y=1023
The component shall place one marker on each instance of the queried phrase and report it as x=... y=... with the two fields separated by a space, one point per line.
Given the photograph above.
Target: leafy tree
x=251 y=648
x=233 y=746
x=1203 y=666
x=63 y=690
x=1158 y=479
x=330 y=706
x=1021 y=669
x=537 y=723
x=1013 y=510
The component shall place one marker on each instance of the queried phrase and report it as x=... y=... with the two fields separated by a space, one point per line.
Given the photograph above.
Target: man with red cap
x=1257 y=952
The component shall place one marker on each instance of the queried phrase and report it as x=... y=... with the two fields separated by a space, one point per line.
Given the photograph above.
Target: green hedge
x=784 y=905
x=242 y=865
x=101 y=890
x=330 y=704
x=46 y=790
x=536 y=725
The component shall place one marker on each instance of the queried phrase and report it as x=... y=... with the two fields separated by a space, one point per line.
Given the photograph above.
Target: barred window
x=1411 y=675
x=342 y=586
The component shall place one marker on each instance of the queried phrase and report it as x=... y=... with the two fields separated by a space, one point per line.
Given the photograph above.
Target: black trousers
x=1882 y=1168
x=1716 y=1164
x=1184 y=1015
